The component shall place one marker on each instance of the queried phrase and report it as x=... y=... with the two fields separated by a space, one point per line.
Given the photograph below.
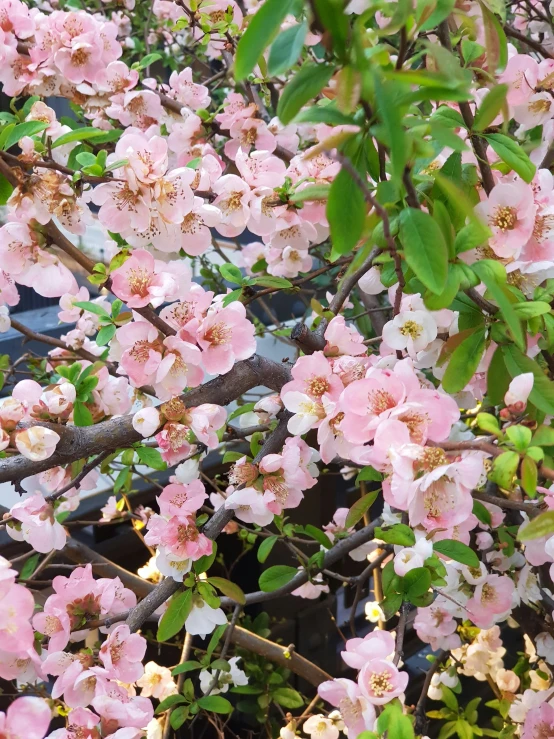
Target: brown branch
x=535 y=45
x=83 y=442
x=419 y=713
x=401 y=632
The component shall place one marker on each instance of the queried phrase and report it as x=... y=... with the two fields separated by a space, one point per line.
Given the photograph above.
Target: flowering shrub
x=390 y=164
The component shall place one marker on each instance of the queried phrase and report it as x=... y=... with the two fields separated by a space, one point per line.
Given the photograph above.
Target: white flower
x=234 y=676
x=154 y=729
x=412 y=330
x=37 y=443
x=5 y=322
x=370 y=283
x=307 y=413
x=406 y=560
x=374 y=612
x=320 y=727
x=156 y=682
x=146 y=421
x=544 y=645
x=172 y=566
x=203 y=619
x=507 y=680
x=187 y=471
x=475 y=575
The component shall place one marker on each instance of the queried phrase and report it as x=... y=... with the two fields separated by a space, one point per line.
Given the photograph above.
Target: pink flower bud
x=146 y=421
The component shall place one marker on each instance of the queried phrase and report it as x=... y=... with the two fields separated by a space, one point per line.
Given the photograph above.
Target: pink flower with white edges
x=375 y=645
x=518 y=392
x=122 y=654
x=368 y=402
x=265 y=212
x=174 y=442
x=225 y=337
x=235 y=107
x=247 y=134
x=261 y=168
x=380 y=681
x=147 y=421
x=233 y=197
x=509 y=212
x=16 y=610
x=187 y=91
x=121 y=207
x=180 y=535
x=156 y=682
x=521 y=75
x=80 y=61
x=313 y=376
x=116 y=78
x=27 y=717
x=250 y=505
x=204 y=421
x=179 y=368
x=146 y=157
x=182 y=500
x=193 y=233
x=436 y=626
x=141 y=352
x=288 y=262
x=356 y=711
x=491 y=601
x=38 y=525
x=343 y=339
x=119 y=706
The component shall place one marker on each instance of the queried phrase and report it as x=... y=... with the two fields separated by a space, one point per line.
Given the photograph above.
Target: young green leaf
x=306 y=84
x=360 y=507
x=511 y=152
x=276 y=577
x=174 y=618
x=262 y=27
x=81 y=414
x=264 y=550
x=29 y=128
x=398 y=534
x=231 y=273
x=492 y=104
x=346 y=213
x=286 y=49
x=215 y=704
x=424 y=248
x=542 y=525
x=151 y=458
x=287 y=697
x=228 y=588
x=493 y=275
x=78 y=134
x=186 y=667
x=457 y=551
x=464 y=361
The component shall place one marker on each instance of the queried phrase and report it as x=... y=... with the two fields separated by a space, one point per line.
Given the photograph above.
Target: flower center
x=505 y=218
x=380 y=683
x=380 y=401
x=411 y=329
x=218 y=334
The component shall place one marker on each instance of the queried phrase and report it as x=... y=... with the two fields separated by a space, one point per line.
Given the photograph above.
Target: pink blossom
x=16 y=609
x=180 y=535
x=122 y=654
x=313 y=376
x=343 y=339
x=38 y=524
x=174 y=441
x=247 y=134
x=380 y=681
x=261 y=168
x=141 y=352
x=250 y=505
x=188 y=92
x=356 y=711
x=27 y=717
x=147 y=158
x=116 y=78
x=491 y=599
x=182 y=500
x=37 y=443
x=193 y=232
x=509 y=212
x=311 y=589
x=116 y=704
x=79 y=61
x=410 y=330
x=368 y=402
x=233 y=197
x=179 y=368
x=436 y=626
x=121 y=207
x=518 y=392
x=225 y=337
x=375 y=645
x=539 y=722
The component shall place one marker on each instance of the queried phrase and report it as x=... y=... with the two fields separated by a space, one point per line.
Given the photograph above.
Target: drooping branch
x=81 y=442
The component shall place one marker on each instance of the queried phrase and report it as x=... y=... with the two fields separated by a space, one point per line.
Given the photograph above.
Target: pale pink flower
x=80 y=61
x=37 y=443
x=16 y=609
x=146 y=157
x=233 y=197
x=235 y=107
x=313 y=376
x=182 y=499
x=147 y=421
x=156 y=682
x=180 y=535
x=375 y=645
x=27 y=717
x=121 y=207
x=381 y=681
x=509 y=212
x=136 y=281
x=193 y=232
x=119 y=706
x=261 y=168
x=250 y=505
x=436 y=626
x=141 y=352
x=116 y=78
x=187 y=91
x=122 y=654
x=247 y=134
x=288 y=262
x=518 y=392
x=204 y=421
x=539 y=722
x=491 y=600
x=174 y=442
x=356 y=711
x=343 y=339
x=368 y=402
x=311 y=589
x=179 y=368
x=225 y=337
x=110 y=511
x=320 y=727
x=38 y=525
x=521 y=74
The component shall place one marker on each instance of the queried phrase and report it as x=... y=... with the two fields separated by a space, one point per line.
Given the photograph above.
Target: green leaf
x=174 y=618
x=457 y=551
x=81 y=414
x=311 y=192
x=179 y=716
x=245 y=408
x=147 y=60
x=231 y=297
x=346 y=213
x=369 y=473
x=529 y=476
x=228 y=588
x=493 y=275
x=531 y=309
x=105 y=334
x=360 y=507
x=498 y=378
x=491 y=106
x=386 y=96
x=6 y=190
x=416 y=582
x=424 y=248
x=517 y=363
x=264 y=550
x=464 y=361
x=215 y=704
x=261 y=29
x=324 y=114
x=470 y=236
x=29 y=128
x=92 y=308
x=276 y=577
x=29 y=567
x=169 y=702
x=542 y=525
x=504 y=468
x=286 y=49
x=511 y=152
x=398 y=534
x=270 y=281
x=78 y=134
x=495 y=40
x=319 y=535
x=442 y=10
x=520 y=436
x=287 y=697
x=231 y=273
x=204 y=563
x=151 y=458
x=186 y=667
x=449 y=698
x=306 y=84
